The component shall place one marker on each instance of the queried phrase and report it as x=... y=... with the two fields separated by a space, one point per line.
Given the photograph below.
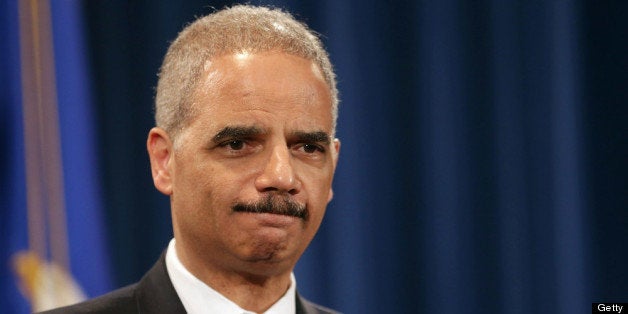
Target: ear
x=160 y=151
x=334 y=156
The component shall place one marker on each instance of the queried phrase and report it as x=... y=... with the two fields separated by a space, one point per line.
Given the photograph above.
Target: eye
x=311 y=148
x=234 y=144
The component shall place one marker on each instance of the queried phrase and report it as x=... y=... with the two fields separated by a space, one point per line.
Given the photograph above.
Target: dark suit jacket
x=154 y=293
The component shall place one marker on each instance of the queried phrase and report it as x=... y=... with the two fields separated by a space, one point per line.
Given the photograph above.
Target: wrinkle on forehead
x=228 y=80
x=214 y=74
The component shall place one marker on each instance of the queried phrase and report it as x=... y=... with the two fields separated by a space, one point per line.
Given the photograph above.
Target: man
x=246 y=108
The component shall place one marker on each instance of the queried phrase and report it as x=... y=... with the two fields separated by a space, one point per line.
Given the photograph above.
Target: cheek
x=318 y=182
x=197 y=173
x=211 y=190
x=318 y=198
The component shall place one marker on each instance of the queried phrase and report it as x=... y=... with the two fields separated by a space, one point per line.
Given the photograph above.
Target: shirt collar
x=197 y=297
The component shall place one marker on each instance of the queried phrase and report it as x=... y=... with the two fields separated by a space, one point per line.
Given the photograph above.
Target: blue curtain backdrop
x=73 y=125
x=483 y=166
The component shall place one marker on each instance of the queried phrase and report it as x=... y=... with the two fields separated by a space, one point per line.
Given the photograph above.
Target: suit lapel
x=306 y=307
x=155 y=292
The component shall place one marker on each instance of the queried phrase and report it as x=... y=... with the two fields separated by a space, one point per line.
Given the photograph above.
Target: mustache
x=274 y=205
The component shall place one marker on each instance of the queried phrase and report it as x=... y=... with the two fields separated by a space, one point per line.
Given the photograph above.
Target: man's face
x=261 y=140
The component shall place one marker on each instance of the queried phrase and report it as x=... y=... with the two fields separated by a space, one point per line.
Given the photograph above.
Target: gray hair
x=232 y=30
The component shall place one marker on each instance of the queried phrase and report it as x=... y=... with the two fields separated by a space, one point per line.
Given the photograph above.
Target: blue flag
x=52 y=222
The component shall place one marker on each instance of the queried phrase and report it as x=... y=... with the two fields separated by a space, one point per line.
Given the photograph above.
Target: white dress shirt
x=199 y=298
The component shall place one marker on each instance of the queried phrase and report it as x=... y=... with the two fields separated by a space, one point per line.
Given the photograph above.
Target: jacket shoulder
x=306 y=307
x=118 y=301
x=154 y=293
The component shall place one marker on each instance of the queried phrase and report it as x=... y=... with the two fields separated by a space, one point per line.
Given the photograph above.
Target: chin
x=268 y=249
x=264 y=266
x=272 y=258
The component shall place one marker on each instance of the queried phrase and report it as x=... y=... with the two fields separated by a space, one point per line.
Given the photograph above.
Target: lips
x=274 y=220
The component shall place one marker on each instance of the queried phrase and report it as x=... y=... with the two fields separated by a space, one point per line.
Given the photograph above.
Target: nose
x=278 y=173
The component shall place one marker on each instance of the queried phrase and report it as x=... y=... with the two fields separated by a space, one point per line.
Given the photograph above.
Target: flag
x=52 y=221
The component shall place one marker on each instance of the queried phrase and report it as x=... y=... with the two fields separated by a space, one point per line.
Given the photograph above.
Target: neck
x=251 y=291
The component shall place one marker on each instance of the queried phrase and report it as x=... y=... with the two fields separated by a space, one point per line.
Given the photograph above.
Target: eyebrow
x=313 y=137
x=237 y=132
x=252 y=131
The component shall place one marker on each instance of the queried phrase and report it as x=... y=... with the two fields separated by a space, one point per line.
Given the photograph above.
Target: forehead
x=263 y=87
